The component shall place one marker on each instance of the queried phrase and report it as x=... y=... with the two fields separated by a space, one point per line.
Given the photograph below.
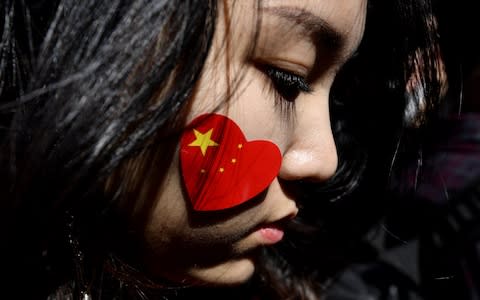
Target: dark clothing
x=429 y=246
x=452 y=160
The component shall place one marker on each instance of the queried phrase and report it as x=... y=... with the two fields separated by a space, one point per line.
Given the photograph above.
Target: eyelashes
x=286 y=86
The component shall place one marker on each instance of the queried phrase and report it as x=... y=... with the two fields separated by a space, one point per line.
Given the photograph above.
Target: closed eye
x=286 y=85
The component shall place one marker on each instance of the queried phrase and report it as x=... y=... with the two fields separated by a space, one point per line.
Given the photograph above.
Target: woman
x=117 y=118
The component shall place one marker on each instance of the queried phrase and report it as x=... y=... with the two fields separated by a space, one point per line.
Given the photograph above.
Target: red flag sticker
x=220 y=168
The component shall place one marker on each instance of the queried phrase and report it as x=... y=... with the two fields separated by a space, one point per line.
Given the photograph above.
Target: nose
x=311 y=155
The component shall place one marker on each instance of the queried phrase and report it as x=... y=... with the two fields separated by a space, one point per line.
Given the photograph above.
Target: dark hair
x=458 y=25
x=85 y=87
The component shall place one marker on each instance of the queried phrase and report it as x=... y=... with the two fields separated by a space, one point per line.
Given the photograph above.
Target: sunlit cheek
x=253 y=108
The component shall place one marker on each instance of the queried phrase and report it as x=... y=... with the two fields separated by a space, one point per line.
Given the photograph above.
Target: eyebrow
x=314 y=26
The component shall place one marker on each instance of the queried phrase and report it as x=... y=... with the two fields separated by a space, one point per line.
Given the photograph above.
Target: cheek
x=255 y=112
x=169 y=210
x=251 y=105
x=172 y=224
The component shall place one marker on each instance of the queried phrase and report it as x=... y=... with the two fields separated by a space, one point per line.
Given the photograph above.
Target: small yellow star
x=240 y=146
x=234 y=160
x=221 y=170
x=203 y=140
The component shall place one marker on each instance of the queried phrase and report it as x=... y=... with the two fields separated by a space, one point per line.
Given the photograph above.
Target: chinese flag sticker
x=220 y=168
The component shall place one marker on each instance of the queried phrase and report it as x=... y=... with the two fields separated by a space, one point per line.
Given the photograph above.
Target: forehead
x=344 y=18
x=341 y=13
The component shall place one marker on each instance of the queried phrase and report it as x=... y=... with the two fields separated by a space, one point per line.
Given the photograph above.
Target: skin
x=218 y=248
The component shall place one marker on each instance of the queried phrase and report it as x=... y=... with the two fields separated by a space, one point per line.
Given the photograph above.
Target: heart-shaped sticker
x=220 y=168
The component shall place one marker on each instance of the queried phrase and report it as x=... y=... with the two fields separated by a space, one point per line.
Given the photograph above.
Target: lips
x=271 y=234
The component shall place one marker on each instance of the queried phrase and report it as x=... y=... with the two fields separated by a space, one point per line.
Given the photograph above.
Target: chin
x=230 y=273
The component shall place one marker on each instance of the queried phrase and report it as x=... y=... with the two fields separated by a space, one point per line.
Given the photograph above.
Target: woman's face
x=279 y=61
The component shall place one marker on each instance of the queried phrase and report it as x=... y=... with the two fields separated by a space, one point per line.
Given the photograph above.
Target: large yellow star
x=203 y=140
